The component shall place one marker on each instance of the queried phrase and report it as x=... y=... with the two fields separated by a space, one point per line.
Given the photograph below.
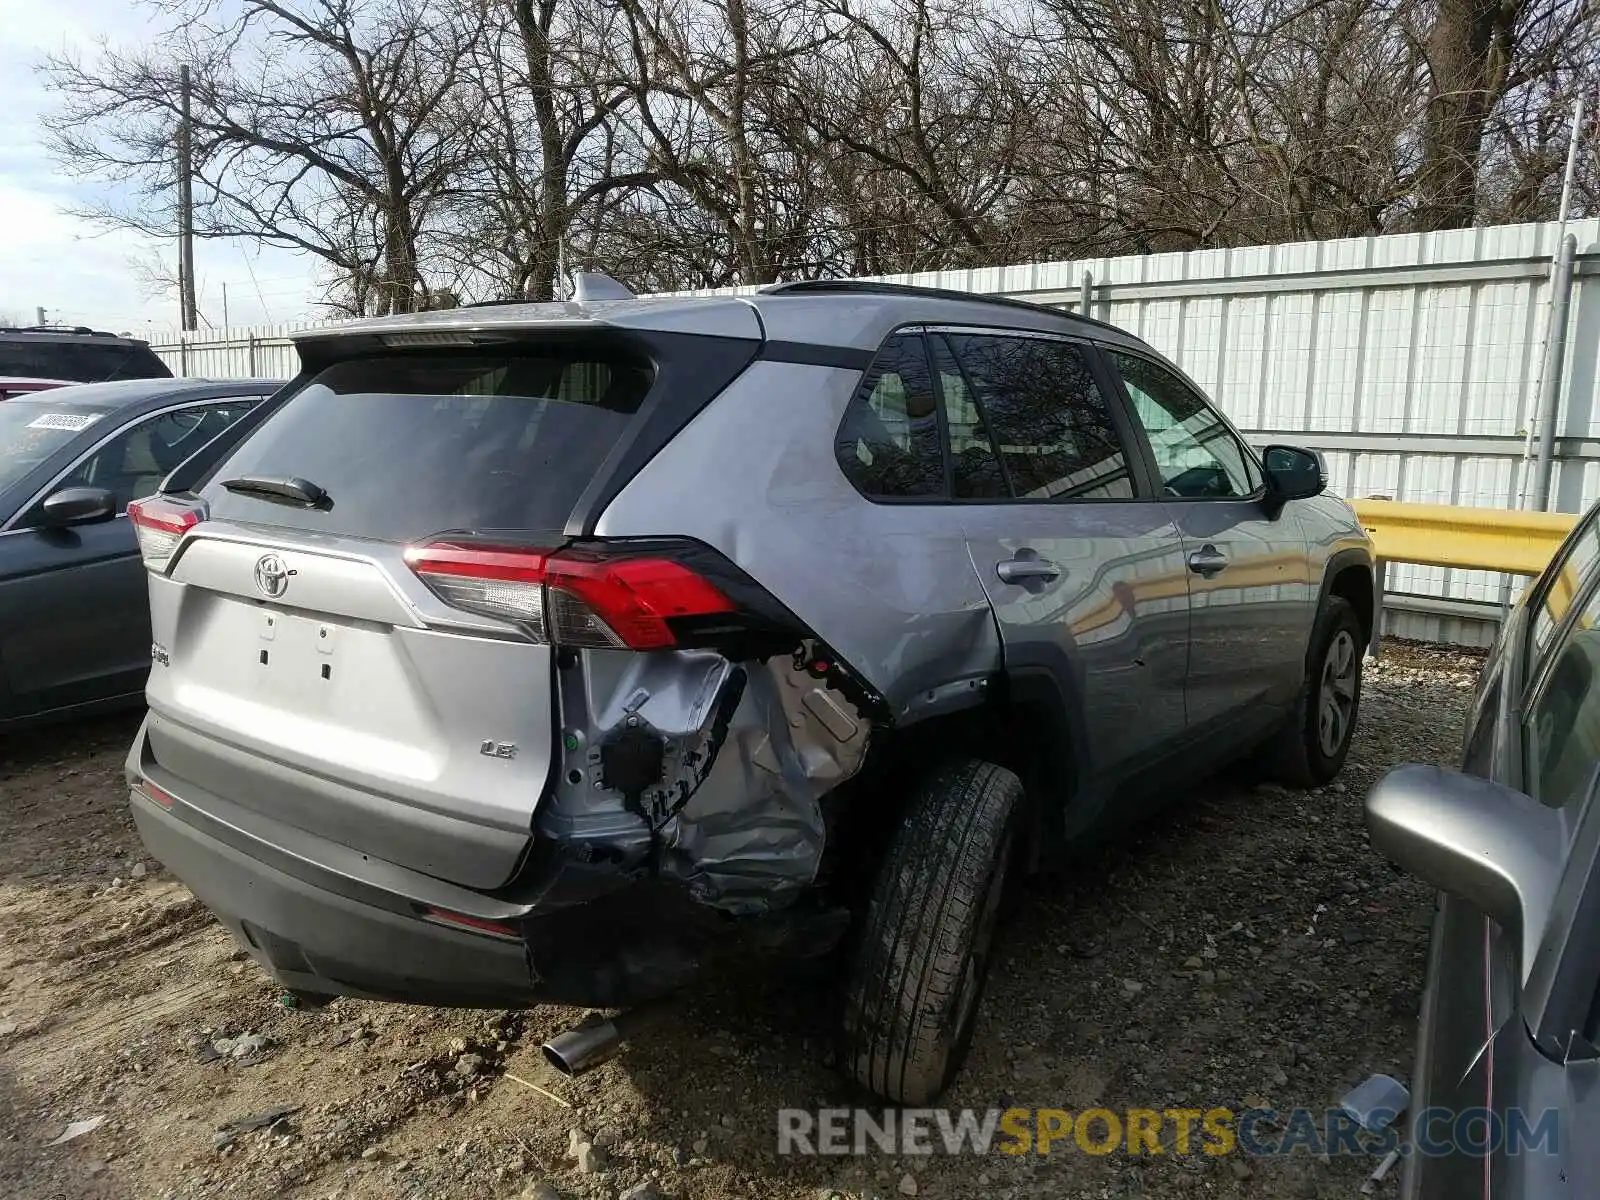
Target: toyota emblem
x=272 y=577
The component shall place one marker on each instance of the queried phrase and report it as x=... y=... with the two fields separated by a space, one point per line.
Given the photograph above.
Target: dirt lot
x=1304 y=957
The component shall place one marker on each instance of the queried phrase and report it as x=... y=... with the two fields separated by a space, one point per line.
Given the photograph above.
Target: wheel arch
x=1026 y=721
x=1349 y=574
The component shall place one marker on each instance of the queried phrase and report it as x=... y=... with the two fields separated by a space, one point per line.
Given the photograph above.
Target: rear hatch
x=78 y=358
x=348 y=620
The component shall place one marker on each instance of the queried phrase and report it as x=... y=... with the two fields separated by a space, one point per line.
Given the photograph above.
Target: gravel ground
x=1247 y=948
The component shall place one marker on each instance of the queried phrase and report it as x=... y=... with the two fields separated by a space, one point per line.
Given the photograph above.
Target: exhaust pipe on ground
x=592 y=1041
x=585 y=1045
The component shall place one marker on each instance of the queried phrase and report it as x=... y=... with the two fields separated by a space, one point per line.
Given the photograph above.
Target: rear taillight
x=496 y=582
x=606 y=598
x=160 y=525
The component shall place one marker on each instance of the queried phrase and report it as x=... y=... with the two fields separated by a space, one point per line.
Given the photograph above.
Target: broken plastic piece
x=1376 y=1102
x=78 y=1128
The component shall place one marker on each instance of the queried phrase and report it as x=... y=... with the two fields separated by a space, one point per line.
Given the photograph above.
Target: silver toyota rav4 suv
x=551 y=653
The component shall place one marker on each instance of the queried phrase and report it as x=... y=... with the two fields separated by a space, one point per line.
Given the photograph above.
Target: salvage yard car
x=74 y=629
x=55 y=354
x=1506 y=1044
x=551 y=653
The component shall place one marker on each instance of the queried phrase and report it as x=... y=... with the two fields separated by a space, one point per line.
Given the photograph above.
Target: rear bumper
x=322 y=917
x=314 y=939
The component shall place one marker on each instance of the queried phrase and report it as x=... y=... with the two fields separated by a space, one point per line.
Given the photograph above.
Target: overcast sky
x=76 y=272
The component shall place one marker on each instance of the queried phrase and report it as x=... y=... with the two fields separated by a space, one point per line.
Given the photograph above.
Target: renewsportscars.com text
x=1258 y=1132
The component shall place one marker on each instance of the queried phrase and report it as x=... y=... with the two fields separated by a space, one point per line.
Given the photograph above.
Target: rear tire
x=923 y=953
x=1311 y=747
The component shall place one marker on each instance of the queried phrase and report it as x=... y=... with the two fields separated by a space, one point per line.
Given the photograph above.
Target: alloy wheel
x=1336 y=698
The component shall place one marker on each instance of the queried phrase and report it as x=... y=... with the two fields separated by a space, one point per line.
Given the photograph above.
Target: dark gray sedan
x=74 y=620
x=1507 y=1079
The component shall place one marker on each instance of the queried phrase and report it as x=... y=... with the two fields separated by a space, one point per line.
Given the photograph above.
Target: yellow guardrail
x=1446 y=535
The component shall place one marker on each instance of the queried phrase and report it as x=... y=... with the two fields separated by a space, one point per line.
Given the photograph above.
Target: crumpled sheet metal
x=749 y=837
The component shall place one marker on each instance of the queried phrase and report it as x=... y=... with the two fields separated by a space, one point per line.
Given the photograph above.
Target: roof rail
x=82 y=330
x=857 y=287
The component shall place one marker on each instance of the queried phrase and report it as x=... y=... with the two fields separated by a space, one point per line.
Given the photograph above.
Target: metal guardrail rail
x=1444 y=535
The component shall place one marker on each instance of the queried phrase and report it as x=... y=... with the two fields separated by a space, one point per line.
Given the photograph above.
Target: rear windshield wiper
x=281 y=489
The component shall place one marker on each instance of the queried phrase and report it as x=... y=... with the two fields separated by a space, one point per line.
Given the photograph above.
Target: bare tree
x=1479 y=53
x=1526 y=151
x=304 y=110
x=545 y=97
x=714 y=107
x=427 y=151
x=155 y=275
x=928 y=112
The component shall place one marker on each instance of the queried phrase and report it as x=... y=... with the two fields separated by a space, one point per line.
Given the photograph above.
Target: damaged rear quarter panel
x=702 y=770
x=889 y=588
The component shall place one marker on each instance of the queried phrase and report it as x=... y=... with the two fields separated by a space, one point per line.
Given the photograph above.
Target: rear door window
x=1037 y=401
x=407 y=446
x=975 y=468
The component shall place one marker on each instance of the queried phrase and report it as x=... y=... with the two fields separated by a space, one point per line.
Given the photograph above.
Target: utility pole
x=185 y=205
x=225 y=324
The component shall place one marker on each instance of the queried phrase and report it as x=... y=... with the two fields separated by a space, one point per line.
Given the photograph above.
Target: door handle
x=1019 y=570
x=1207 y=560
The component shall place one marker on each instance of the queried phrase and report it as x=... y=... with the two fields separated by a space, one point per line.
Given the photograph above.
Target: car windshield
x=80 y=362
x=31 y=431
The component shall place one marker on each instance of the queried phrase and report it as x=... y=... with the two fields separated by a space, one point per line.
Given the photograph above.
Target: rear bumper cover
x=315 y=939
x=324 y=918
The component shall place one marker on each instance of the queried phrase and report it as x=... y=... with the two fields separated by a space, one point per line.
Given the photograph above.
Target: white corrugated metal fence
x=1411 y=360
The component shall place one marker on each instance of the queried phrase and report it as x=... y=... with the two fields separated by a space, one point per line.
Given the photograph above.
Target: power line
x=263 y=300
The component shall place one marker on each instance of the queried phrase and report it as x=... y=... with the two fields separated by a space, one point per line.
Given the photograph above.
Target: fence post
x=1380 y=577
x=1085 y=294
x=183 y=355
x=250 y=355
x=1555 y=354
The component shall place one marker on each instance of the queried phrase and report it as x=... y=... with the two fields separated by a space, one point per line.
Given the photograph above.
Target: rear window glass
x=412 y=445
x=81 y=362
x=31 y=432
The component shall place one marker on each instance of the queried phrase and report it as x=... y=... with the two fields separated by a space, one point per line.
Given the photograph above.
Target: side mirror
x=1497 y=849
x=1294 y=473
x=77 y=506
